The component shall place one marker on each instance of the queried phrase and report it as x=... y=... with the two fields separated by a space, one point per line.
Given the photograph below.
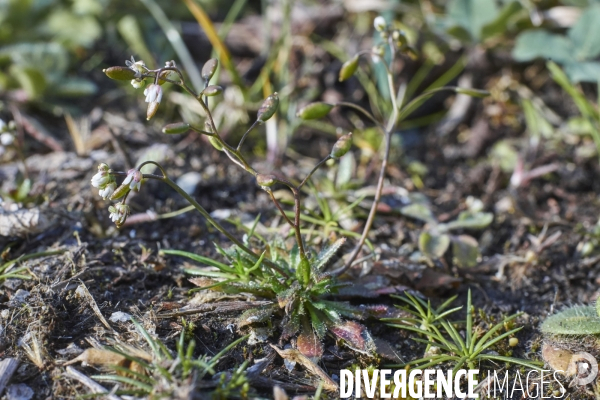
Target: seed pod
x=268 y=108
x=152 y=108
x=212 y=90
x=120 y=73
x=315 y=110
x=266 y=180
x=176 y=128
x=215 y=143
x=348 y=69
x=342 y=146
x=472 y=92
x=209 y=68
x=120 y=192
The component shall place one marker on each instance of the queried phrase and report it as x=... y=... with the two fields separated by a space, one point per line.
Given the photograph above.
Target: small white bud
x=6 y=139
x=379 y=24
x=138 y=84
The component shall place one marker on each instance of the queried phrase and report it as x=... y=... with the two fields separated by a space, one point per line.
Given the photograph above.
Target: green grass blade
x=122 y=379
x=200 y=259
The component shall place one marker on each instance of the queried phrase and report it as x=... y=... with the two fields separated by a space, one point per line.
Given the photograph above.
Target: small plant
x=296 y=278
x=576 y=51
x=435 y=239
x=13 y=269
x=445 y=345
x=157 y=373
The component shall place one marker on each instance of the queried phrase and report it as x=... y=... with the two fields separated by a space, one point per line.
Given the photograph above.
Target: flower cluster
x=119 y=213
x=104 y=181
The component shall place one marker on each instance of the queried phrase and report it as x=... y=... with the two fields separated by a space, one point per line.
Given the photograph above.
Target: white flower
x=138 y=84
x=133 y=179
x=118 y=213
x=379 y=23
x=138 y=67
x=6 y=139
x=108 y=190
x=153 y=93
x=102 y=178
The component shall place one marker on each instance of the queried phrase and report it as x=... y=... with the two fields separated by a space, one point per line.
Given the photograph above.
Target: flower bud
x=176 y=128
x=379 y=23
x=119 y=213
x=314 y=110
x=348 y=69
x=215 y=143
x=342 y=146
x=212 y=90
x=120 y=73
x=138 y=83
x=209 y=68
x=120 y=192
x=152 y=108
x=268 y=108
x=266 y=180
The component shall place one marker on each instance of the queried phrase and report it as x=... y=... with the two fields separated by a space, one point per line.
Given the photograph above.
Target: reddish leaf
x=355 y=335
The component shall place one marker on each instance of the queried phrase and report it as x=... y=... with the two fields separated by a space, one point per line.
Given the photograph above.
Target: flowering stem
x=164 y=178
x=390 y=127
x=239 y=146
x=323 y=161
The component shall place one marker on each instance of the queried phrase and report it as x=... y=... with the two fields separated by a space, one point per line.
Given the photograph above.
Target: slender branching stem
x=281 y=210
x=164 y=178
x=239 y=146
x=323 y=161
x=390 y=127
x=361 y=110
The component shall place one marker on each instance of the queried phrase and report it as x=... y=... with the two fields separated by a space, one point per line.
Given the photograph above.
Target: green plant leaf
x=418 y=211
x=469 y=220
x=200 y=259
x=326 y=253
x=578 y=320
x=583 y=71
x=472 y=15
x=432 y=245
x=30 y=79
x=500 y=24
x=542 y=44
x=466 y=250
x=584 y=34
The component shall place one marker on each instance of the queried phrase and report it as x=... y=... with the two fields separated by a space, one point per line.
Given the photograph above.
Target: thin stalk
x=281 y=210
x=164 y=178
x=323 y=161
x=239 y=146
x=390 y=127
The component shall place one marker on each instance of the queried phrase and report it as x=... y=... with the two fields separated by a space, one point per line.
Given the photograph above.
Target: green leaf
x=433 y=246
x=73 y=30
x=584 y=34
x=472 y=15
x=542 y=44
x=469 y=220
x=30 y=79
x=200 y=259
x=418 y=211
x=500 y=24
x=74 y=87
x=466 y=251
x=583 y=71
x=328 y=252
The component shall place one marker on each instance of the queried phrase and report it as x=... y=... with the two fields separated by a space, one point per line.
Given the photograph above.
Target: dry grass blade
x=83 y=292
x=94 y=386
x=34 y=351
x=295 y=355
x=224 y=307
